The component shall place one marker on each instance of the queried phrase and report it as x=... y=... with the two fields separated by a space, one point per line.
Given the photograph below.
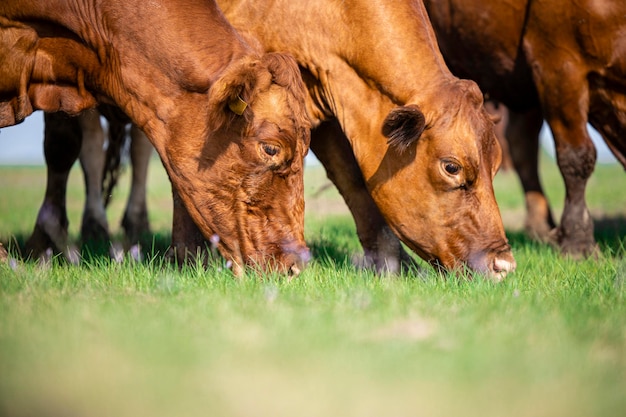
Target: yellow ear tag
x=237 y=105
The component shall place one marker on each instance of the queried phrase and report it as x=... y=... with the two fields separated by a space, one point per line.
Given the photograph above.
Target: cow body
x=557 y=60
x=176 y=68
x=409 y=145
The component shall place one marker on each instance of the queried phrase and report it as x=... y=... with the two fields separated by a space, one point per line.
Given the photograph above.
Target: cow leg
x=522 y=133
x=95 y=227
x=135 y=221
x=187 y=240
x=382 y=249
x=576 y=156
x=62 y=142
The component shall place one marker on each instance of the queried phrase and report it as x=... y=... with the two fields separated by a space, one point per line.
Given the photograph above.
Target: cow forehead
x=273 y=102
x=464 y=130
x=277 y=106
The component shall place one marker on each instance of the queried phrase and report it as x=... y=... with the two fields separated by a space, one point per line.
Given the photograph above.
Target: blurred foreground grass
x=107 y=339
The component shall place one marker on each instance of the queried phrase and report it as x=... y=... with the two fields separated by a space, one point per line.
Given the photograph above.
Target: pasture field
x=145 y=339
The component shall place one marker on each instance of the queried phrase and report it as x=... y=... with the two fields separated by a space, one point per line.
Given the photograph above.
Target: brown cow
x=226 y=120
x=557 y=60
x=396 y=131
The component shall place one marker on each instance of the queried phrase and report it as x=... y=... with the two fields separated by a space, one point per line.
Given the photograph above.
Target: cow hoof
x=580 y=250
x=385 y=265
x=44 y=259
x=72 y=254
x=135 y=226
x=92 y=231
x=7 y=259
x=576 y=248
x=136 y=253
x=4 y=255
x=116 y=252
x=38 y=244
x=381 y=265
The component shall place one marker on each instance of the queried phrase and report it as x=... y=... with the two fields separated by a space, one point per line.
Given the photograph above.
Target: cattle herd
x=389 y=95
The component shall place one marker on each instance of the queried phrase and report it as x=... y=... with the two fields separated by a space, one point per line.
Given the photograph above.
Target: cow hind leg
x=135 y=221
x=576 y=156
x=62 y=142
x=188 y=245
x=382 y=249
x=522 y=133
x=95 y=227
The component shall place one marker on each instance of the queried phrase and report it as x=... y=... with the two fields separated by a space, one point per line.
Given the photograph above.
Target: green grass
x=107 y=339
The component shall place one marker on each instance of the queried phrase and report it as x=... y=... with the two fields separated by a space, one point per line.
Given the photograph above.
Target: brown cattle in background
x=501 y=118
x=557 y=60
x=409 y=146
x=100 y=169
x=227 y=121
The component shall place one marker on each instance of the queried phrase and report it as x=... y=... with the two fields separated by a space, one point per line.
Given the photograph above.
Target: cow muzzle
x=291 y=261
x=296 y=260
x=494 y=264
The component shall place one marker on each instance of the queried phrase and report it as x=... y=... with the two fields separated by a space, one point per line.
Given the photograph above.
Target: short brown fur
x=171 y=66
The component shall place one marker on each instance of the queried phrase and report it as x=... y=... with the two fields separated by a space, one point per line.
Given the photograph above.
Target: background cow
x=100 y=169
x=227 y=122
x=406 y=143
x=555 y=60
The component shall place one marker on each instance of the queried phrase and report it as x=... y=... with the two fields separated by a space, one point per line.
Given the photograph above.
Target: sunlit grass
x=128 y=339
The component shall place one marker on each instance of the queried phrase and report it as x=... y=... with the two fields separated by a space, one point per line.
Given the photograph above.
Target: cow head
x=451 y=219
x=249 y=181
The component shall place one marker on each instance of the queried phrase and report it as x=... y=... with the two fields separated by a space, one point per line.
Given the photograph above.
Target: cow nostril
x=297 y=260
x=294 y=271
x=501 y=267
x=494 y=265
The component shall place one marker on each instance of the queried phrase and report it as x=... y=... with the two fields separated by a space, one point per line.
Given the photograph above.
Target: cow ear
x=228 y=95
x=403 y=126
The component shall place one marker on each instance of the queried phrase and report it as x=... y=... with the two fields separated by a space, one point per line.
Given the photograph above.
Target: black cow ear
x=403 y=126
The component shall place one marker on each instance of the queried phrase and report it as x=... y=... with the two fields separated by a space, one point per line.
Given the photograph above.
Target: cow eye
x=451 y=168
x=271 y=150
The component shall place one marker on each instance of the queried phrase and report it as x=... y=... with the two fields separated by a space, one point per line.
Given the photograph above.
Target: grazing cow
x=227 y=121
x=407 y=144
x=558 y=60
x=50 y=231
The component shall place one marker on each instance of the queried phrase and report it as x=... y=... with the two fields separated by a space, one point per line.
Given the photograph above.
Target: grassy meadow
x=145 y=339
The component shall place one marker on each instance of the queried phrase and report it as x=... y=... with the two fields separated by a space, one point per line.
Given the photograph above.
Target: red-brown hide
x=560 y=60
x=422 y=149
x=173 y=67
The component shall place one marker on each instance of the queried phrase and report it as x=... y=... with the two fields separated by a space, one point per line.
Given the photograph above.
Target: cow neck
x=391 y=45
x=386 y=56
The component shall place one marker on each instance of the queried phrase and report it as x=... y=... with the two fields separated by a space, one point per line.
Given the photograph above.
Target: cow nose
x=296 y=260
x=496 y=265
x=501 y=266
